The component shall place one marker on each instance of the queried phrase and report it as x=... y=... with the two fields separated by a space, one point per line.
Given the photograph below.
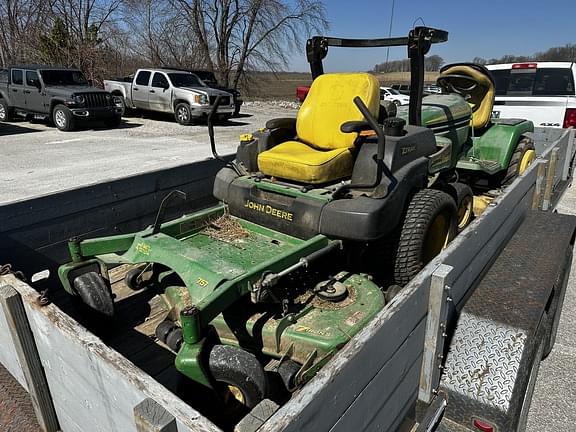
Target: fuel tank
x=447 y=115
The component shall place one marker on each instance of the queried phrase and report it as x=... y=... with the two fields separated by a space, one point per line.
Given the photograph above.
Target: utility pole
x=390 y=33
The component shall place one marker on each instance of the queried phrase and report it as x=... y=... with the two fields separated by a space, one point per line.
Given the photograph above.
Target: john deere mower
x=323 y=218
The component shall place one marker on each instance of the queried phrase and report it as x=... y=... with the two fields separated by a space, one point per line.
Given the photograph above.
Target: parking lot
x=37 y=159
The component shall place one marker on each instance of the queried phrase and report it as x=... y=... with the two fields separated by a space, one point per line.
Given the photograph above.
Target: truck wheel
x=5 y=111
x=63 y=118
x=429 y=225
x=95 y=292
x=240 y=378
x=182 y=114
x=120 y=102
x=464 y=197
x=523 y=156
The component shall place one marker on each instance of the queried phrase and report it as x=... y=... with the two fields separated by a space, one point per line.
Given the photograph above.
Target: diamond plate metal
x=483 y=361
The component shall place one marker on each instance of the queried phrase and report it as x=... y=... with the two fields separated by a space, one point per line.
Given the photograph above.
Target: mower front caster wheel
x=240 y=378
x=95 y=292
x=134 y=280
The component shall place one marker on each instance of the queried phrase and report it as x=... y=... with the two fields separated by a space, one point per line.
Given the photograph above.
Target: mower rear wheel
x=429 y=225
x=522 y=158
x=464 y=197
x=240 y=378
x=95 y=292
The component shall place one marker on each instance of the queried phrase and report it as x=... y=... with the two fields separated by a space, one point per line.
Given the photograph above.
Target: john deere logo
x=269 y=210
x=143 y=248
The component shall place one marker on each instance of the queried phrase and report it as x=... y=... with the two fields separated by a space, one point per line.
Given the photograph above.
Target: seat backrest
x=482 y=97
x=330 y=102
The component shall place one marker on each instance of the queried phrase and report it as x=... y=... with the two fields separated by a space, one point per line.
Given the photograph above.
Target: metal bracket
x=439 y=298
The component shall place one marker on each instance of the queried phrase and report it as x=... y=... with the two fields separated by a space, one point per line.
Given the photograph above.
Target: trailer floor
x=554 y=401
x=16 y=412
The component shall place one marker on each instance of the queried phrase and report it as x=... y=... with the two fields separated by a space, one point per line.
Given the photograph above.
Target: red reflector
x=570 y=118
x=525 y=66
x=483 y=426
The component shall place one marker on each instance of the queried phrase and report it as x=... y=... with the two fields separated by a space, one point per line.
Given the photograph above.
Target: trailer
x=457 y=349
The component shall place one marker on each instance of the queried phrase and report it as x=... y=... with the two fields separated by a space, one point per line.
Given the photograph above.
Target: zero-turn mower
x=323 y=218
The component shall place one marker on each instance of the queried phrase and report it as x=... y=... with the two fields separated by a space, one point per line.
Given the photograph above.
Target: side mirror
x=36 y=83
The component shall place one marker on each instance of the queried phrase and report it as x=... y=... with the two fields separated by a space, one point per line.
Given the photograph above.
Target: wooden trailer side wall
x=33 y=233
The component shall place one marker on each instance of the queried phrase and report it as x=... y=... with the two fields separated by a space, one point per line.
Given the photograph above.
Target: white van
x=543 y=92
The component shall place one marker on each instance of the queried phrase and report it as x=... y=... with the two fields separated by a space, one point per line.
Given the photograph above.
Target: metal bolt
x=190 y=311
x=449 y=299
x=444 y=335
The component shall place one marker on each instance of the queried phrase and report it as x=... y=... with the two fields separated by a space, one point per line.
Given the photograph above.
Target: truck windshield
x=185 y=80
x=63 y=77
x=207 y=77
x=534 y=82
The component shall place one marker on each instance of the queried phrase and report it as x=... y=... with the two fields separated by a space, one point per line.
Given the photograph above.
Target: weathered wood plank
x=398 y=379
x=29 y=359
x=106 y=386
x=8 y=357
x=151 y=417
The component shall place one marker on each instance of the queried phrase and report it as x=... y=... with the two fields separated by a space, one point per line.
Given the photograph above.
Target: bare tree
x=160 y=34
x=79 y=34
x=236 y=35
x=21 y=22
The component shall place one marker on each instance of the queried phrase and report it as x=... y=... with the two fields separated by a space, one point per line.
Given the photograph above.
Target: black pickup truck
x=62 y=95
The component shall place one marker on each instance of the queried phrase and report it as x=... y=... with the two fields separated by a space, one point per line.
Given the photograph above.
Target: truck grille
x=224 y=100
x=96 y=100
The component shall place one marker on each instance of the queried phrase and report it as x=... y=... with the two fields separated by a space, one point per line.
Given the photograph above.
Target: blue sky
x=493 y=29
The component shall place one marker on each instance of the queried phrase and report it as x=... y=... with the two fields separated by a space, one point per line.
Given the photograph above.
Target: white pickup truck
x=543 y=92
x=178 y=92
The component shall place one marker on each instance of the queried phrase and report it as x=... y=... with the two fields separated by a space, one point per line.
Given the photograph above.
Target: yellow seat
x=323 y=153
x=481 y=98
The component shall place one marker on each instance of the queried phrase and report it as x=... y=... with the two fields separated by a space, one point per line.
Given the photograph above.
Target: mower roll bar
x=419 y=41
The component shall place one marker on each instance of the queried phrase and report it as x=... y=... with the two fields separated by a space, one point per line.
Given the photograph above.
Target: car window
x=143 y=78
x=534 y=82
x=394 y=92
x=63 y=77
x=185 y=80
x=17 y=77
x=160 y=81
x=31 y=78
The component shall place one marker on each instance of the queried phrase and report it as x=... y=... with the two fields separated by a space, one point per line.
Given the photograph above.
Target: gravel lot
x=36 y=159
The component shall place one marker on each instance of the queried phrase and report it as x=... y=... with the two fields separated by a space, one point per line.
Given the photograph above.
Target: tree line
x=431 y=64
x=114 y=37
x=565 y=53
